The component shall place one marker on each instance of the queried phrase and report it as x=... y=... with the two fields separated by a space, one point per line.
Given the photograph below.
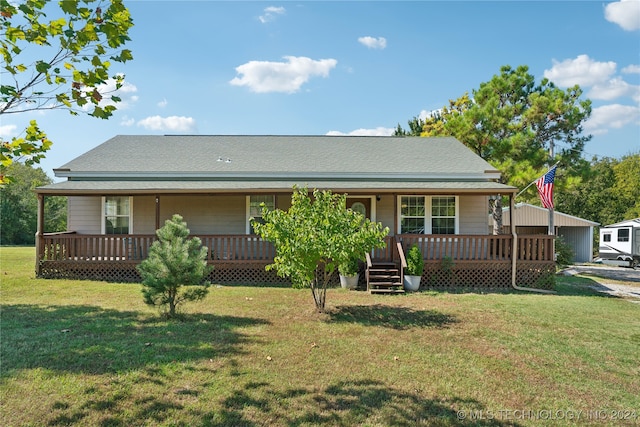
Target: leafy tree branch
x=61 y=62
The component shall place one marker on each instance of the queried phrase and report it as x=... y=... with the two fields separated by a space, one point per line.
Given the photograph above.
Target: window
x=623 y=235
x=412 y=215
x=443 y=215
x=429 y=214
x=606 y=237
x=255 y=208
x=117 y=215
x=360 y=208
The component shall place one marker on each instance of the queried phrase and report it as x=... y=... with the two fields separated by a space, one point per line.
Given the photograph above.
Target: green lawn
x=91 y=353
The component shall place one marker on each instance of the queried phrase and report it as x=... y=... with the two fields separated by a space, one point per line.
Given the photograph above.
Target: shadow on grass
x=345 y=403
x=398 y=318
x=579 y=286
x=90 y=339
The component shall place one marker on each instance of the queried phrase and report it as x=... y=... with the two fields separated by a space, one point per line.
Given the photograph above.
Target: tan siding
x=473 y=214
x=207 y=214
x=84 y=214
x=385 y=211
x=534 y=216
x=226 y=214
x=144 y=215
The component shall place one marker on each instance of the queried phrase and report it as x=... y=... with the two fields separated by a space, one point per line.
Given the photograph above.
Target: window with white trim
x=412 y=215
x=254 y=208
x=443 y=215
x=428 y=214
x=116 y=215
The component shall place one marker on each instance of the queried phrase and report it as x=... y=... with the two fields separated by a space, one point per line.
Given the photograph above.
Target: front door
x=360 y=204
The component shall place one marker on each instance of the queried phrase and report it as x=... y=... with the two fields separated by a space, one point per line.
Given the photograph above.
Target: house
x=576 y=232
x=430 y=191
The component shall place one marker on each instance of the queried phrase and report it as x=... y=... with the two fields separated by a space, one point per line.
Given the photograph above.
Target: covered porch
x=451 y=261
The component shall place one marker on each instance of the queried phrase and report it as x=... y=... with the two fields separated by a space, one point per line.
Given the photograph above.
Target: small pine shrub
x=176 y=268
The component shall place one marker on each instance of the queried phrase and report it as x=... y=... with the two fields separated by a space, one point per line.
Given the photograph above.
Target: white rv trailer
x=620 y=243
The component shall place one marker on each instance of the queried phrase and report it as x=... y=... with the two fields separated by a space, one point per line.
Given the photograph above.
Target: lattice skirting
x=440 y=275
x=251 y=273
x=125 y=271
x=457 y=275
x=112 y=271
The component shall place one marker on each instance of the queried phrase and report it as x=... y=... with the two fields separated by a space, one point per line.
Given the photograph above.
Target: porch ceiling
x=170 y=187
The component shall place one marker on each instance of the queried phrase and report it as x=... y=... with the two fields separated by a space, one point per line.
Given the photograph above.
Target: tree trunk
x=172 y=303
x=496 y=213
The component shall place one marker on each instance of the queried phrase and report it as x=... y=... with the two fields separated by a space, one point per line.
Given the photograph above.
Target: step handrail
x=403 y=261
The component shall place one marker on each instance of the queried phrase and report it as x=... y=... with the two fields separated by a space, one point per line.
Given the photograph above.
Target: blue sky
x=353 y=67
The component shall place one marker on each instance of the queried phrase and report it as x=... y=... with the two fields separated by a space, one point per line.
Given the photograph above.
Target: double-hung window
x=412 y=215
x=116 y=214
x=428 y=214
x=443 y=215
x=254 y=208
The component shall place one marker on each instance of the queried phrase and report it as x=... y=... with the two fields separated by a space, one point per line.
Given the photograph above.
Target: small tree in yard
x=317 y=233
x=175 y=261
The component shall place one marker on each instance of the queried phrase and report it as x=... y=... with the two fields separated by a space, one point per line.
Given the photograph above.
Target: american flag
x=545 y=187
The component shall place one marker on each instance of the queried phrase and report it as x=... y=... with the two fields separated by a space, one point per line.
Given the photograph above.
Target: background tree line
x=19 y=206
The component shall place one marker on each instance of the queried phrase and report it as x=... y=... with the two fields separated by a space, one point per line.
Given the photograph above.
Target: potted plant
x=414 y=269
x=348 y=270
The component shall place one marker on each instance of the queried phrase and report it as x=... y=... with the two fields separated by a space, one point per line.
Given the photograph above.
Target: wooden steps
x=384 y=278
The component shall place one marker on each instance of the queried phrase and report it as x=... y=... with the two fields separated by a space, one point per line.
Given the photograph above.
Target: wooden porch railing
x=460 y=247
x=135 y=247
x=79 y=247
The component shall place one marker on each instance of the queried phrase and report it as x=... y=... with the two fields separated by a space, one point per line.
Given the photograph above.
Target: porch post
x=157 y=212
x=514 y=236
x=39 y=231
x=395 y=214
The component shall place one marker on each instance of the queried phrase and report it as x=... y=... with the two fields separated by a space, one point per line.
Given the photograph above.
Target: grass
x=91 y=353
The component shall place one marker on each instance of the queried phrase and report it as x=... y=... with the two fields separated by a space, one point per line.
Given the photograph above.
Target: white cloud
x=288 y=77
x=631 y=69
x=614 y=88
x=127 y=121
x=171 y=124
x=373 y=42
x=582 y=71
x=270 y=13
x=625 y=13
x=611 y=116
x=163 y=103
x=379 y=131
x=8 y=131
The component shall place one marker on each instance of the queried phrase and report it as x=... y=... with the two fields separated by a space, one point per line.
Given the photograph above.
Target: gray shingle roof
x=264 y=154
x=237 y=162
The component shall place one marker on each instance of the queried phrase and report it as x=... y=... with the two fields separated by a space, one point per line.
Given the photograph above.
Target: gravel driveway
x=605 y=274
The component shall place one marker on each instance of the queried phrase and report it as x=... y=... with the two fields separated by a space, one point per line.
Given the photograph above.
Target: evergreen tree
x=514 y=123
x=176 y=268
